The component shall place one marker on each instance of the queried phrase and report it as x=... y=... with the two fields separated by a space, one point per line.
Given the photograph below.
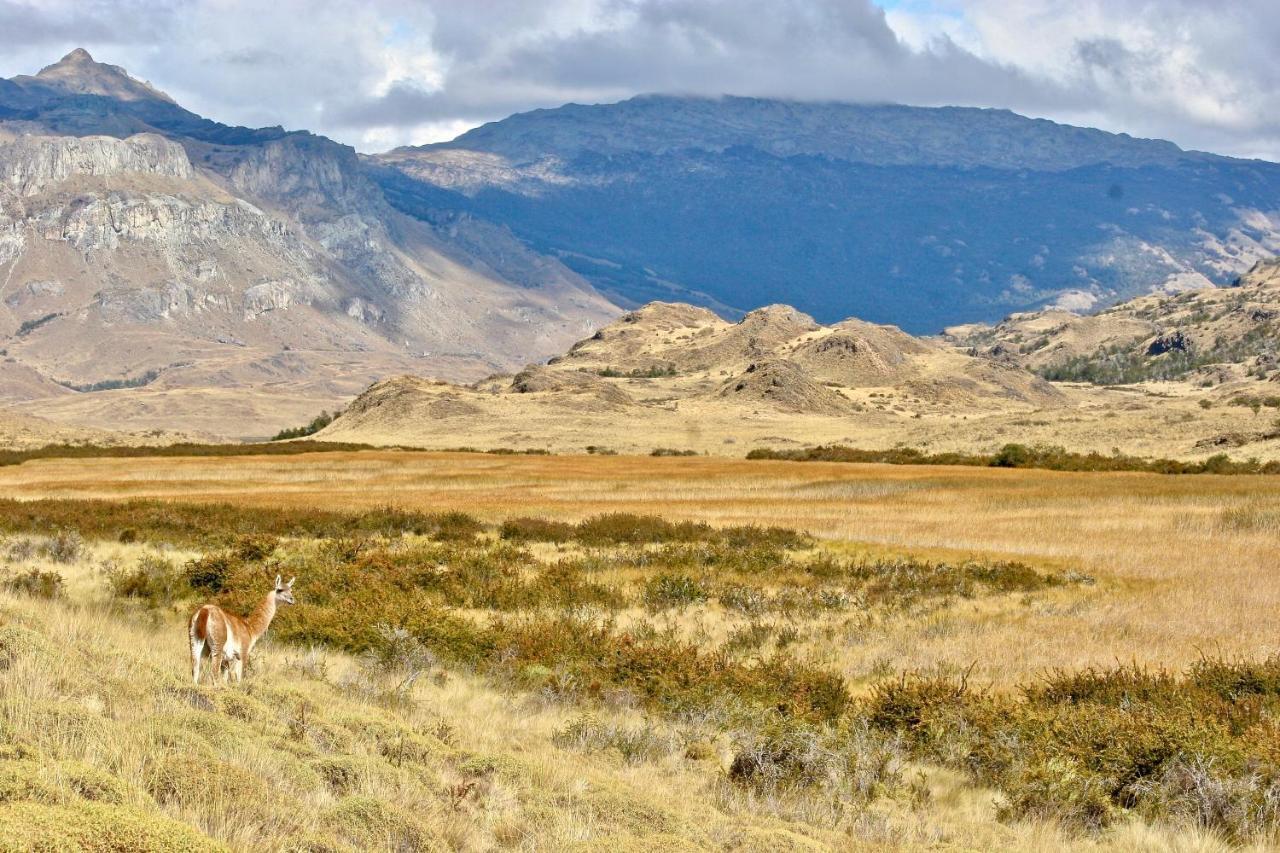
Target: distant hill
x=1207 y=337
x=678 y=375
x=673 y=377
x=919 y=217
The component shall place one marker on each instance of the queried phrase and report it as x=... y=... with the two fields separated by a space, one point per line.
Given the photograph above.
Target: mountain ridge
x=838 y=129
x=921 y=217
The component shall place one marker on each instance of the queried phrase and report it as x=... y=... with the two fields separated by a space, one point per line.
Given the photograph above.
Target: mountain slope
x=912 y=216
x=1224 y=336
x=143 y=247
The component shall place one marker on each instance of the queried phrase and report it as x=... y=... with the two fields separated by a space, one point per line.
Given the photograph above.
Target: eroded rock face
x=272 y=296
x=31 y=164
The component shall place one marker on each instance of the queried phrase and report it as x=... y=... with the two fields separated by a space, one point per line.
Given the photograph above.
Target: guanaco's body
x=229 y=639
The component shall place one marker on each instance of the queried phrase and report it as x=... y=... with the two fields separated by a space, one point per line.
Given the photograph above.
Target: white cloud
x=388 y=72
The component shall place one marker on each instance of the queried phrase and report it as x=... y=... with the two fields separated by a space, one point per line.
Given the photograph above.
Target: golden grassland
x=1185 y=565
x=98 y=718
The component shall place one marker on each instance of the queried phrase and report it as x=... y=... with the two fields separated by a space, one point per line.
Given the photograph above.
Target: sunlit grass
x=1180 y=568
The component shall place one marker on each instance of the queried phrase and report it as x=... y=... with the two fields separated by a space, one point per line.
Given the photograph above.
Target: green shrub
x=369 y=824
x=536 y=530
x=153 y=579
x=1022 y=456
x=316 y=424
x=66 y=546
x=621 y=528
x=37 y=584
x=95 y=826
x=210 y=573
x=636 y=744
x=667 y=590
x=341 y=773
x=1088 y=747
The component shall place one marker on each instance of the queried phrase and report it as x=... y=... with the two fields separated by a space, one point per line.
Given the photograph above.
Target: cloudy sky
x=380 y=73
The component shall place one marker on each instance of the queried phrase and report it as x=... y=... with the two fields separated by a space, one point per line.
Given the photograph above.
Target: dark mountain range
x=921 y=217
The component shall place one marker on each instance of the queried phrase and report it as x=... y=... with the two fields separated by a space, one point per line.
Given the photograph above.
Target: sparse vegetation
x=141 y=380
x=316 y=424
x=89 y=451
x=1127 y=364
x=656 y=371
x=1023 y=456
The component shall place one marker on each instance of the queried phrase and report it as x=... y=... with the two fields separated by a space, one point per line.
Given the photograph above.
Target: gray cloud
x=377 y=74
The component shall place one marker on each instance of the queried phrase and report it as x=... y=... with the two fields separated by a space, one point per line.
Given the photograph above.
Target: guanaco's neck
x=260 y=619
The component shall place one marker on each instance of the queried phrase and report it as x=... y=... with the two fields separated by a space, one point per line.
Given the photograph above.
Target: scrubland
x=620 y=652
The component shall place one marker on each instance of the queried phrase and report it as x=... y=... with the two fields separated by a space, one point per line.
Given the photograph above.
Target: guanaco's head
x=284 y=591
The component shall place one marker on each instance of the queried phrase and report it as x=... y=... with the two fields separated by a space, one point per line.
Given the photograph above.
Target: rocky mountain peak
x=79 y=55
x=78 y=73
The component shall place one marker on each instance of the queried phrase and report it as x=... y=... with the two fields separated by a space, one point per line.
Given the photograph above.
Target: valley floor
x=1162 y=571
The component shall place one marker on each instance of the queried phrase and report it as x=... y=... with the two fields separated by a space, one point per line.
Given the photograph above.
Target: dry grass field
x=991 y=578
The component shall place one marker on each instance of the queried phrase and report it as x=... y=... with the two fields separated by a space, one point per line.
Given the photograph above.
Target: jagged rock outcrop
x=786 y=386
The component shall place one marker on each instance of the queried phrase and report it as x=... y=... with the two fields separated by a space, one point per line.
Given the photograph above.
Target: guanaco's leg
x=216 y=661
x=197 y=652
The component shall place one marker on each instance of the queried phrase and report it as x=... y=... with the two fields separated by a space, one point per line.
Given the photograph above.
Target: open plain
x=527 y=696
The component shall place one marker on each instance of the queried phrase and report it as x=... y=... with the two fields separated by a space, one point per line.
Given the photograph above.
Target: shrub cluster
x=36 y=583
x=624 y=528
x=91 y=451
x=217 y=524
x=316 y=424
x=1088 y=747
x=1023 y=456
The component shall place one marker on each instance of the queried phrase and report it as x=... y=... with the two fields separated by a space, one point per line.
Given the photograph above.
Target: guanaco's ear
x=277 y=581
x=290 y=583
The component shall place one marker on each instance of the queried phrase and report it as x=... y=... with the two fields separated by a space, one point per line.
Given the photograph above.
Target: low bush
x=152 y=580
x=627 y=528
x=1087 y=747
x=1023 y=456
x=36 y=583
x=65 y=546
x=220 y=525
x=666 y=590
x=536 y=530
x=366 y=823
x=90 y=451
x=851 y=761
x=636 y=744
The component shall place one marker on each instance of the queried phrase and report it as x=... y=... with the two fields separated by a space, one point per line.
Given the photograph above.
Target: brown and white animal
x=229 y=639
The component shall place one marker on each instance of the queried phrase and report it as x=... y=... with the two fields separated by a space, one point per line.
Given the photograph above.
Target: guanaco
x=229 y=639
